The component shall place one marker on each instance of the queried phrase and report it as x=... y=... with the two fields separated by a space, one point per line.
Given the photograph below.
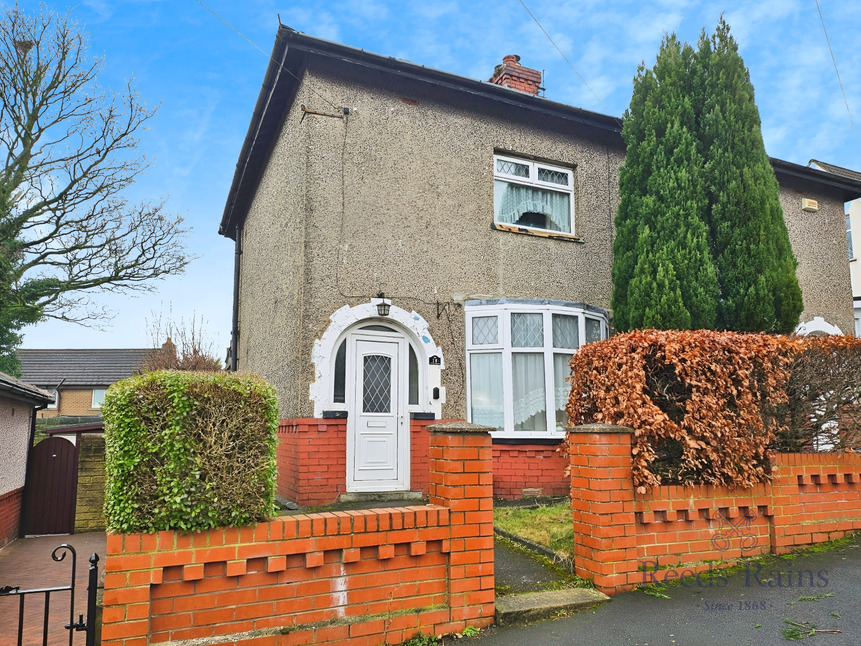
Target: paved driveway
x=27 y=563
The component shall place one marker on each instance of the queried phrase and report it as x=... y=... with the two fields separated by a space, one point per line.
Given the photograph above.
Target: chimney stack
x=512 y=75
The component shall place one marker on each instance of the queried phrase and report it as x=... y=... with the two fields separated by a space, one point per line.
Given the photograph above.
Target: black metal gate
x=73 y=626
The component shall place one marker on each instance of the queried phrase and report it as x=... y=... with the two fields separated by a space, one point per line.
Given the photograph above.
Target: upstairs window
x=53 y=404
x=849 y=237
x=533 y=195
x=98 y=397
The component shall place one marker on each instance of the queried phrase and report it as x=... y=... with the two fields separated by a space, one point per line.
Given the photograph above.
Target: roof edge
x=17 y=389
x=289 y=51
x=849 y=188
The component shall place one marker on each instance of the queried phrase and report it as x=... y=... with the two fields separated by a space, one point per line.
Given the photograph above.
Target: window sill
x=511 y=228
x=528 y=437
x=550 y=441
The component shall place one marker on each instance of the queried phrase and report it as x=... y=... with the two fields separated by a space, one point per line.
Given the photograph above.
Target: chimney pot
x=511 y=59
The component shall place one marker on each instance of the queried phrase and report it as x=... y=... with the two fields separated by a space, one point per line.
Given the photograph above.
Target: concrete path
x=745 y=609
x=27 y=563
x=529 y=588
x=518 y=570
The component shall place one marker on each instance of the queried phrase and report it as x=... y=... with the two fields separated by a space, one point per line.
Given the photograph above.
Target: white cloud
x=102 y=8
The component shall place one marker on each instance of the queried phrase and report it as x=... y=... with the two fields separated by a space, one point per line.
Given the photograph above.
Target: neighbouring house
x=18 y=403
x=65 y=484
x=853 y=224
x=78 y=378
x=413 y=245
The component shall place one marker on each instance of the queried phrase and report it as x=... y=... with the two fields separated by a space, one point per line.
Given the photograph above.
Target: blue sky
x=205 y=78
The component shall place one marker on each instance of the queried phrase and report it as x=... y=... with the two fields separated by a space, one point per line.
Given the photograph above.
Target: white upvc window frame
x=503 y=345
x=533 y=181
x=54 y=404
x=98 y=403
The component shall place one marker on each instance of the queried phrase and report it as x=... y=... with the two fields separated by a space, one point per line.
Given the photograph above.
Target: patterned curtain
x=517 y=200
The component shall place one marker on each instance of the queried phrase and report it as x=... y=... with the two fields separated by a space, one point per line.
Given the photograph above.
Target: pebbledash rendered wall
x=312 y=463
x=624 y=539
x=353 y=577
x=15 y=417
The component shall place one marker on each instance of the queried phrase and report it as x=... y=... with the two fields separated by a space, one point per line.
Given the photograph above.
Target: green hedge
x=190 y=451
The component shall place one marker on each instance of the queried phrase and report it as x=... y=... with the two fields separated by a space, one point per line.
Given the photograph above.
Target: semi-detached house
x=413 y=245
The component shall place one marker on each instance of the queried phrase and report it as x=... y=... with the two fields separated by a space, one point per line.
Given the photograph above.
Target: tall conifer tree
x=753 y=255
x=663 y=274
x=700 y=236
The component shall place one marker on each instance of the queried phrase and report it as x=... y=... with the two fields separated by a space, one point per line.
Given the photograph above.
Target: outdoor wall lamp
x=383 y=304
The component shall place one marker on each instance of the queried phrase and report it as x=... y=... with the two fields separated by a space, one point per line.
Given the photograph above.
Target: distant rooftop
x=91 y=368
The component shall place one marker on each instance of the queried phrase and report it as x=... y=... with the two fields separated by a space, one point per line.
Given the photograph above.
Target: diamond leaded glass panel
x=593 y=330
x=552 y=176
x=566 y=331
x=377 y=381
x=485 y=330
x=527 y=330
x=512 y=168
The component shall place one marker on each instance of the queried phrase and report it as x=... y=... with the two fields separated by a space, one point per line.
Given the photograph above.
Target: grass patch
x=548 y=525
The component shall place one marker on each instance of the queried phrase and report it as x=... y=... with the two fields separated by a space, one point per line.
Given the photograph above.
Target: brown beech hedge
x=709 y=407
x=822 y=411
x=701 y=403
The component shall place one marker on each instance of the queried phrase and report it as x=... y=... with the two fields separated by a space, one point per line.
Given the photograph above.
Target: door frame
x=354 y=384
x=431 y=361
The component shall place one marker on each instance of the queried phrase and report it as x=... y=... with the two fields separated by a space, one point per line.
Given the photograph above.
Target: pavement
x=27 y=563
x=750 y=606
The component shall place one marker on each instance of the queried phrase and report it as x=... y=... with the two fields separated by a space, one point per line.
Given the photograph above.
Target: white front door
x=377 y=428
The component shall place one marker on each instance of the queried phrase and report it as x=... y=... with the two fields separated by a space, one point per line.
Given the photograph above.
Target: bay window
x=517 y=362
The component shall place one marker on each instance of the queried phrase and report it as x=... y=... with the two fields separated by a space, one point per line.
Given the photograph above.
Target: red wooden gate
x=52 y=483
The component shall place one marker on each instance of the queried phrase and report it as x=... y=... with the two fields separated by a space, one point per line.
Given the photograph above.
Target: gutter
x=234 y=333
x=849 y=188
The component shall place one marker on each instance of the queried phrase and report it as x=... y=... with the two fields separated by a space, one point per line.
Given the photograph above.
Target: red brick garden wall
x=624 y=538
x=312 y=463
x=527 y=470
x=353 y=577
x=312 y=459
x=10 y=515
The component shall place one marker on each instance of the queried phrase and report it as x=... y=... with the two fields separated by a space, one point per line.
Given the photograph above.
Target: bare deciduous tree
x=69 y=150
x=179 y=346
